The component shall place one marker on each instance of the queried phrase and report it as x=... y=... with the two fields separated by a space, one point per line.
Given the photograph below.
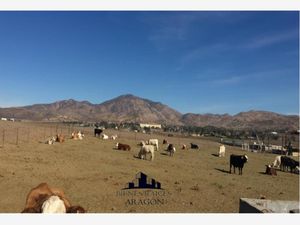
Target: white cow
x=51 y=141
x=222 y=151
x=153 y=142
x=277 y=161
x=53 y=205
x=77 y=135
x=104 y=136
x=114 y=137
x=145 y=149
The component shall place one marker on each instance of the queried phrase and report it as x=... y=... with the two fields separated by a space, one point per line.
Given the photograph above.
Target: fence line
x=24 y=134
x=18 y=135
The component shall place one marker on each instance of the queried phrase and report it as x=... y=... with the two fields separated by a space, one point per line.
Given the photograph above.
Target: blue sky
x=200 y=62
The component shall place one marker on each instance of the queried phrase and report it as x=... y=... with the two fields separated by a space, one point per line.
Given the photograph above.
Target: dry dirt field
x=92 y=173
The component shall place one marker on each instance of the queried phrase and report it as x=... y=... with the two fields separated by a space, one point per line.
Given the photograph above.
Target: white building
x=143 y=125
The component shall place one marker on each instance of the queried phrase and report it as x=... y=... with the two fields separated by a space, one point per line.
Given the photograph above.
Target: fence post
x=3 y=137
x=28 y=135
x=17 y=141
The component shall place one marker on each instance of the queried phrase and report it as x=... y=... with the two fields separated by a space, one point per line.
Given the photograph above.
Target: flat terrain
x=91 y=173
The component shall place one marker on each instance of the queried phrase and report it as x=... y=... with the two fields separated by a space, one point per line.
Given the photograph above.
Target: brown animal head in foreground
x=40 y=194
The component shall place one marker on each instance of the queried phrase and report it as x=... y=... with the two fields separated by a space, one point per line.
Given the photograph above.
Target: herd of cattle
x=45 y=199
x=150 y=146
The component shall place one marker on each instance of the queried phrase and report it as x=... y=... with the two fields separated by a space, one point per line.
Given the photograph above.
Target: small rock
x=113 y=208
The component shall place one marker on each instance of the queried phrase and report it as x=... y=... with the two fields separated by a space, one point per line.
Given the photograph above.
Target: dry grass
x=91 y=172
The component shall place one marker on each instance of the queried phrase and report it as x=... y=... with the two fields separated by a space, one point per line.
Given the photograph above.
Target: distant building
x=147 y=125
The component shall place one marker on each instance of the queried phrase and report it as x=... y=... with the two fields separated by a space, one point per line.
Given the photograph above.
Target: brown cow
x=39 y=195
x=60 y=138
x=165 y=142
x=271 y=170
x=123 y=147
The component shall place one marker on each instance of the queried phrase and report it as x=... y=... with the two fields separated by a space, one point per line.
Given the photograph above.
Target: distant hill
x=130 y=108
x=245 y=120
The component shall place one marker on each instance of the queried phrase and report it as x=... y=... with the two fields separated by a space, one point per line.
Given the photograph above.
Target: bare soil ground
x=91 y=173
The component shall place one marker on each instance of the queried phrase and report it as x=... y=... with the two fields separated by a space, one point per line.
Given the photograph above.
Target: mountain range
x=130 y=108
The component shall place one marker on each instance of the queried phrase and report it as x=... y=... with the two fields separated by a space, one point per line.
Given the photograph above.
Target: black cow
x=288 y=163
x=97 y=132
x=194 y=146
x=238 y=161
x=171 y=149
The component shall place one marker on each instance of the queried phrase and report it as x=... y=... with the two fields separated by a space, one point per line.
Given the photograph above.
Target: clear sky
x=200 y=62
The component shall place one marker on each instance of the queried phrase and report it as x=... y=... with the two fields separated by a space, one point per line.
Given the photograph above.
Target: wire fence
x=18 y=134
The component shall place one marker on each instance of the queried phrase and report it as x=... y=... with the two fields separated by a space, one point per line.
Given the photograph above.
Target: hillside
x=244 y=120
x=130 y=108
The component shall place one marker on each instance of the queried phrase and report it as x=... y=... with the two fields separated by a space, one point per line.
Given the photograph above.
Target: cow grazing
x=194 y=146
x=183 y=147
x=222 y=151
x=114 y=137
x=45 y=199
x=288 y=163
x=153 y=142
x=171 y=149
x=97 y=132
x=60 y=138
x=104 y=136
x=277 y=161
x=123 y=147
x=165 y=142
x=238 y=161
x=270 y=170
x=77 y=135
x=50 y=141
x=146 y=149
